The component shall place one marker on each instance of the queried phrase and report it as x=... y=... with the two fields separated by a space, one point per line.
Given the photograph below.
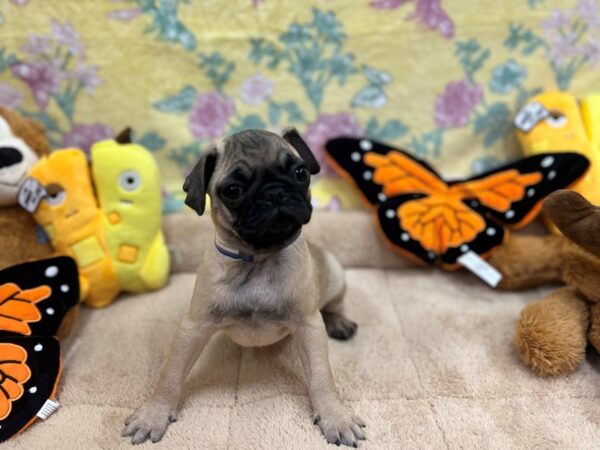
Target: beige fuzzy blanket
x=432 y=365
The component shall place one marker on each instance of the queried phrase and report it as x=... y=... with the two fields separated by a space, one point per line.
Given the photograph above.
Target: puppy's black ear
x=292 y=136
x=196 y=183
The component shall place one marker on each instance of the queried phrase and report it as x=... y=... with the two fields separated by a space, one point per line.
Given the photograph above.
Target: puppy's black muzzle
x=273 y=217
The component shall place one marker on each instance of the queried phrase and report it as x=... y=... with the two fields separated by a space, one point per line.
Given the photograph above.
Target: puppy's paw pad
x=148 y=422
x=339 y=327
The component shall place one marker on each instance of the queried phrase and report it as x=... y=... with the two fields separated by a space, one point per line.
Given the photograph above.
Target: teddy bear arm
x=582 y=271
x=526 y=261
x=551 y=334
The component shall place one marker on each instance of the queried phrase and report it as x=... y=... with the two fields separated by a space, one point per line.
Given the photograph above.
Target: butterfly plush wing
x=29 y=372
x=513 y=194
x=428 y=219
x=380 y=171
x=35 y=296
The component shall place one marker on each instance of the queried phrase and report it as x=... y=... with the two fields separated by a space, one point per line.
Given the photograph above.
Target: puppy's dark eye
x=233 y=191
x=301 y=174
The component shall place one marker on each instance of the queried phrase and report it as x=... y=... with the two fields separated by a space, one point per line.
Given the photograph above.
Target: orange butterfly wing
x=13 y=373
x=18 y=309
x=500 y=190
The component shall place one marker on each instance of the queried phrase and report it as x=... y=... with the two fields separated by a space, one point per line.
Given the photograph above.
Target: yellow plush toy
x=553 y=121
x=73 y=222
x=127 y=181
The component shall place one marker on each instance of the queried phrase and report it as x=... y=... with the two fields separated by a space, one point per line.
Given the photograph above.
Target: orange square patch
x=114 y=217
x=127 y=253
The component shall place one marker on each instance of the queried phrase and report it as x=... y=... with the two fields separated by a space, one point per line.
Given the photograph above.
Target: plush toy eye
x=233 y=191
x=130 y=180
x=556 y=120
x=56 y=195
x=301 y=174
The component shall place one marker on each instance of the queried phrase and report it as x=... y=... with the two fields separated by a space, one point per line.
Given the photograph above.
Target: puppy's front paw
x=149 y=421
x=340 y=426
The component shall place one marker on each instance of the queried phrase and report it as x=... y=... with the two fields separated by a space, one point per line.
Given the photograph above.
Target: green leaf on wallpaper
x=50 y=124
x=181 y=102
x=187 y=155
x=523 y=38
x=216 y=68
x=428 y=144
x=166 y=24
x=247 y=122
x=369 y=96
x=484 y=164
x=290 y=109
x=6 y=59
x=392 y=129
x=494 y=123
x=373 y=94
x=313 y=52
x=471 y=56
x=507 y=77
x=151 y=140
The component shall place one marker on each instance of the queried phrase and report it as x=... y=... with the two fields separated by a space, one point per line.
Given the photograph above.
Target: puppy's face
x=258 y=183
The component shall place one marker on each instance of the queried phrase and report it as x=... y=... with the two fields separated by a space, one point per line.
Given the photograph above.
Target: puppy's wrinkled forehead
x=256 y=148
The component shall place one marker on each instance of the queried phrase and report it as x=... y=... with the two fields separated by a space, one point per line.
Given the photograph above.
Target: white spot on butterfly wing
x=552 y=174
x=547 y=162
x=50 y=311
x=365 y=145
x=381 y=197
x=530 y=192
x=431 y=255
x=355 y=156
x=367 y=175
x=51 y=271
x=33 y=389
x=490 y=231
x=464 y=248
x=509 y=214
x=405 y=237
x=64 y=288
x=38 y=347
x=390 y=214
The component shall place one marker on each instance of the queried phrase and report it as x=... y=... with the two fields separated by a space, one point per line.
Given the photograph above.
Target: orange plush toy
x=72 y=220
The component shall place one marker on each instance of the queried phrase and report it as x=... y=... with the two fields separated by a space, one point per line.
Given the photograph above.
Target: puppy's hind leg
x=338 y=326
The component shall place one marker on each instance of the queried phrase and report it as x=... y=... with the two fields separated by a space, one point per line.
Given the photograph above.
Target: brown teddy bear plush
x=551 y=335
x=22 y=143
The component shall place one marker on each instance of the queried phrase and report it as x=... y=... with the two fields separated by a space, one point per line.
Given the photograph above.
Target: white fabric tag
x=481 y=268
x=49 y=407
x=529 y=116
x=31 y=194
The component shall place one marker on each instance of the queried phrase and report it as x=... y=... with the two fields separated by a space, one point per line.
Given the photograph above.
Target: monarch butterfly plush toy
x=435 y=221
x=35 y=299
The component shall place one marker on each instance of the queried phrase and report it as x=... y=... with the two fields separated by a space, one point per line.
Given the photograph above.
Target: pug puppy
x=261 y=281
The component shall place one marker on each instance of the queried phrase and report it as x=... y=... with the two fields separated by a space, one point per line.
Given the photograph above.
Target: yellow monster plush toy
x=553 y=122
x=127 y=181
x=73 y=222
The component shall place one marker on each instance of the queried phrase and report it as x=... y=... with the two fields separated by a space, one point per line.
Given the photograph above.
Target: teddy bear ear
x=124 y=137
x=576 y=218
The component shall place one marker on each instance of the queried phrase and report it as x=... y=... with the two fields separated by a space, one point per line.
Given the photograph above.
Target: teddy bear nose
x=9 y=156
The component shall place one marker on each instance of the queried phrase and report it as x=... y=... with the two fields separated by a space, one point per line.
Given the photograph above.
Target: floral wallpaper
x=441 y=78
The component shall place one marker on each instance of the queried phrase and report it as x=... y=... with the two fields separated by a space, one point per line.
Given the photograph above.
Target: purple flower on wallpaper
x=329 y=126
x=591 y=50
x=124 y=14
x=36 y=45
x=563 y=48
x=66 y=35
x=87 y=75
x=428 y=13
x=19 y=2
x=83 y=136
x=10 y=97
x=42 y=78
x=255 y=3
x=256 y=89
x=454 y=106
x=387 y=4
x=210 y=115
x=558 y=19
x=588 y=11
